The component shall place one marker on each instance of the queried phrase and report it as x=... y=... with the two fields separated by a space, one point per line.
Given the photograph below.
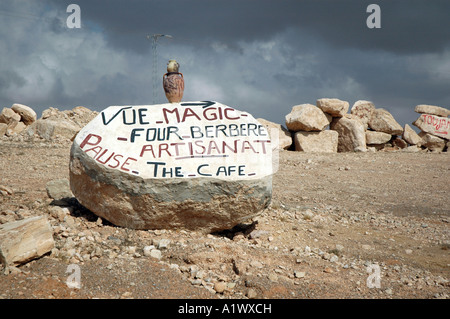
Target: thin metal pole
x=155 y=62
x=155 y=38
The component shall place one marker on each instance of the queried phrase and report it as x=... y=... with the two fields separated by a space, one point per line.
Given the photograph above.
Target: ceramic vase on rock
x=173 y=83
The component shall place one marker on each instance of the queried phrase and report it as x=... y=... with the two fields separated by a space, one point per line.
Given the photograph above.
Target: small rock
x=334 y=259
x=164 y=244
x=196 y=282
x=231 y=285
x=256 y=264
x=156 y=253
x=220 y=287
x=126 y=295
x=6 y=189
x=328 y=270
x=408 y=251
x=59 y=189
x=257 y=233
x=251 y=293
x=299 y=274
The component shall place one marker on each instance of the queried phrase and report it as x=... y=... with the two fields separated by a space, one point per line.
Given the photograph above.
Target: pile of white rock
x=328 y=127
x=16 y=119
x=434 y=124
x=20 y=122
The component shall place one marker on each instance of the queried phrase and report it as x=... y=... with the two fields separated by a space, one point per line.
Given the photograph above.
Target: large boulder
x=383 y=121
x=410 y=136
x=284 y=136
x=3 y=128
x=15 y=128
x=433 y=143
x=316 y=142
x=8 y=116
x=435 y=125
x=24 y=240
x=307 y=117
x=363 y=111
x=50 y=129
x=194 y=165
x=55 y=124
x=373 y=137
x=352 y=136
x=27 y=114
x=334 y=107
x=433 y=110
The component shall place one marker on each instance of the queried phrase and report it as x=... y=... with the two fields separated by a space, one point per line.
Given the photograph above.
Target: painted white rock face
x=435 y=125
x=193 y=165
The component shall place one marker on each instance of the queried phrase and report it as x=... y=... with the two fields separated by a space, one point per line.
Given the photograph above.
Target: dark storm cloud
x=408 y=26
x=261 y=56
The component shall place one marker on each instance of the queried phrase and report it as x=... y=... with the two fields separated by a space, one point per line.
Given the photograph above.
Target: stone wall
x=328 y=126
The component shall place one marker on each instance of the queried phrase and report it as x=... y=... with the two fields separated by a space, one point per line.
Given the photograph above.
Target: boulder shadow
x=242 y=228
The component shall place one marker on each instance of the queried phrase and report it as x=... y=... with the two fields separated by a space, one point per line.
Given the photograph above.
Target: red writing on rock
x=103 y=155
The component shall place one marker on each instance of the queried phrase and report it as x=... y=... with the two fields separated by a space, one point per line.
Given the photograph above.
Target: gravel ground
x=336 y=221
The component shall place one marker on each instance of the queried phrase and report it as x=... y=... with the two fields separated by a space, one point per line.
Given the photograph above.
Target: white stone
x=220 y=286
x=58 y=189
x=7 y=116
x=410 y=136
x=156 y=253
x=15 y=128
x=352 y=136
x=373 y=137
x=307 y=117
x=163 y=243
x=383 y=121
x=316 y=142
x=433 y=110
x=210 y=170
x=147 y=250
x=24 y=240
x=433 y=143
x=363 y=111
x=334 y=107
x=435 y=125
x=3 y=128
x=48 y=129
x=27 y=114
x=284 y=136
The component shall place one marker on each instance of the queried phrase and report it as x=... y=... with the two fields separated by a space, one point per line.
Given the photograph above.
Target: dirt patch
x=334 y=221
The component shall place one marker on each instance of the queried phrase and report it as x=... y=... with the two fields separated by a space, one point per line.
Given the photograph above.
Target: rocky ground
x=335 y=220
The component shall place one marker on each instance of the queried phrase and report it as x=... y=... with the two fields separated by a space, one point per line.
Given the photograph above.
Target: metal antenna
x=154 y=38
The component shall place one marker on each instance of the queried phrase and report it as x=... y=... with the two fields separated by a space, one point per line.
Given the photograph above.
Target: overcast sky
x=260 y=56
